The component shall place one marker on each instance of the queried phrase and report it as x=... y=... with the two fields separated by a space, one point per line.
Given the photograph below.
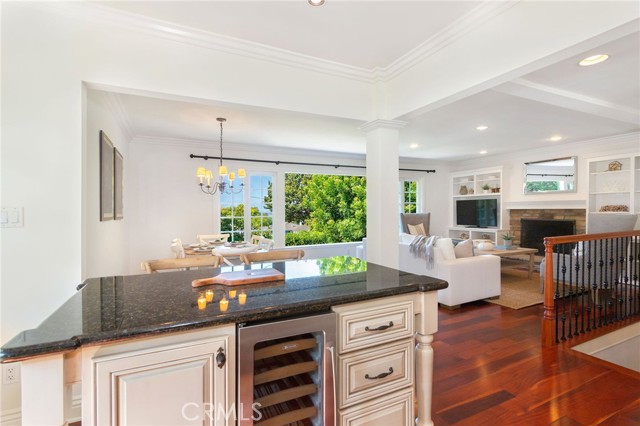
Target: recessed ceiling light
x=555 y=138
x=413 y=145
x=483 y=152
x=316 y=2
x=592 y=60
x=482 y=128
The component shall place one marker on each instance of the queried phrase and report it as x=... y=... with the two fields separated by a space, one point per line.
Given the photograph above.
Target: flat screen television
x=481 y=213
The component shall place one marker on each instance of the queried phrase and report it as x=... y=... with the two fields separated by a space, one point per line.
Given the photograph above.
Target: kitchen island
x=112 y=320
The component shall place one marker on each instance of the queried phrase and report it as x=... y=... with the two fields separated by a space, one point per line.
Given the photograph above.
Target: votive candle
x=209 y=295
x=202 y=301
x=224 y=305
x=242 y=298
x=232 y=294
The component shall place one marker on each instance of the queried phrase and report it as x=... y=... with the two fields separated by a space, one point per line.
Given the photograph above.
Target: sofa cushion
x=464 y=249
x=416 y=229
x=445 y=248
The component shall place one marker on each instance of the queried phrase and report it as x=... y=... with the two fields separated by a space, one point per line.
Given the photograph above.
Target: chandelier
x=225 y=183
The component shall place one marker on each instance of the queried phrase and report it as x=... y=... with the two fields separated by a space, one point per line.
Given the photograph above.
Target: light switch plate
x=11 y=217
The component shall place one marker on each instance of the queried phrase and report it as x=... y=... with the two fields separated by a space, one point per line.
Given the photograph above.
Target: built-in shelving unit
x=477 y=184
x=614 y=184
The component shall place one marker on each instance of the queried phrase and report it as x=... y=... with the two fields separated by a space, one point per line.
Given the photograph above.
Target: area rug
x=517 y=291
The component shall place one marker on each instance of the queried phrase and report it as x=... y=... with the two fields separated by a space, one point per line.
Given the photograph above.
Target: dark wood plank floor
x=490 y=369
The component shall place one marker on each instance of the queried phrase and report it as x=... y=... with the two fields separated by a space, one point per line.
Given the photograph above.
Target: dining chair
x=262 y=242
x=203 y=238
x=153 y=266
x=177 y=249
x=271 y=256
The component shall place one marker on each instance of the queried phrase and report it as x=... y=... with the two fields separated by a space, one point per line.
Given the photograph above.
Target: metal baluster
x=588 y=252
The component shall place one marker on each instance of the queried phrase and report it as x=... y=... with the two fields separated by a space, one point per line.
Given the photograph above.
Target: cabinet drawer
x=374 y=372
x=375 y=323
x=395 y=409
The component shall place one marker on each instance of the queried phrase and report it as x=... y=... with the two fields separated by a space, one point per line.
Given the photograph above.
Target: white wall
x=105 y=244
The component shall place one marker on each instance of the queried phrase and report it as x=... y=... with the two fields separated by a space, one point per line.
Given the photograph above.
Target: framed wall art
x=118 y=184
x=106 y=177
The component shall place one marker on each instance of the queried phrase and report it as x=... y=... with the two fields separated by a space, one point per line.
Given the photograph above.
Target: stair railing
x=590 y=281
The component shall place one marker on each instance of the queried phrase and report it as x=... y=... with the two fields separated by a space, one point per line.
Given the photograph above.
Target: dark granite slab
x=115 y=308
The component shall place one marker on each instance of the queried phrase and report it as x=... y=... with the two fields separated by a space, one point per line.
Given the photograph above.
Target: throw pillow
x=417 y=229
x=446 y=248
x=464 y=249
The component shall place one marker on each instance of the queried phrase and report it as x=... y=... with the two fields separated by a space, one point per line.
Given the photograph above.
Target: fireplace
x=533 y=231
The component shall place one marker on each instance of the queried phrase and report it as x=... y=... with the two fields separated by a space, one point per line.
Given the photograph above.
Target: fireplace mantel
x=545 y=204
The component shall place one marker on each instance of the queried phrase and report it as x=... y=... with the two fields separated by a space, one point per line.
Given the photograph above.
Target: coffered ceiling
x=561 y=99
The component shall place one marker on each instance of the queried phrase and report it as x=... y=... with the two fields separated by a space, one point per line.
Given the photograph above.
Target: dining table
x=227 y=251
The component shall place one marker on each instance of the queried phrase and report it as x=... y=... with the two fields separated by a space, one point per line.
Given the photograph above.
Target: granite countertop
x=115 y=308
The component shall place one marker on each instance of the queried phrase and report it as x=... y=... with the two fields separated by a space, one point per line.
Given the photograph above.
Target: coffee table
x=518 y=251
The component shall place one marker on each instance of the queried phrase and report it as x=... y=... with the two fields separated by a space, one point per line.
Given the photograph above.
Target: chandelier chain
x=221 y=143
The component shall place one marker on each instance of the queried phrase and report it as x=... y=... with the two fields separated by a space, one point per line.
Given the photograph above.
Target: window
x=241 y=223
x=324 y=209
x=409 y=196
x=261 y=206
x=232 y=215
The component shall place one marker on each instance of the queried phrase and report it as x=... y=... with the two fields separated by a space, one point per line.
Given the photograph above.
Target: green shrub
x=303 y=238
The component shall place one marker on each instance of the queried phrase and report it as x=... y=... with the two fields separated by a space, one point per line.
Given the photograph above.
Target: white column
x=382 y=191
x=426 y=326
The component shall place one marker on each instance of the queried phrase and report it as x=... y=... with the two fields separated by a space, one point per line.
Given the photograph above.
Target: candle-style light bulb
x=201 y=172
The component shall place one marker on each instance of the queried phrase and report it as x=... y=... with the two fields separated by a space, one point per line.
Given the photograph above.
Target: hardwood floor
x=490 y=369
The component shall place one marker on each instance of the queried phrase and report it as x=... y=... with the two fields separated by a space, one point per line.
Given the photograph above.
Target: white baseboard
x=11 y=417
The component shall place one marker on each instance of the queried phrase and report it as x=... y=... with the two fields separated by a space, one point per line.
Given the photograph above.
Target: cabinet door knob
x=221 y=358
x=382 y=327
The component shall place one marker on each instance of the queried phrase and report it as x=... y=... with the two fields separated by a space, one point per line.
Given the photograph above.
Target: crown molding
x=382 y=124
x=195 y=37
x=230 y=45
x=482 y=13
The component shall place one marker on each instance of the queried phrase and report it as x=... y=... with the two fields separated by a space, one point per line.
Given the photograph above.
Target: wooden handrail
x=549 y=321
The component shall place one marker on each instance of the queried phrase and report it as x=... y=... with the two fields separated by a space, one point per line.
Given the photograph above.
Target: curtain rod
x=547 y=174
x=207 y=157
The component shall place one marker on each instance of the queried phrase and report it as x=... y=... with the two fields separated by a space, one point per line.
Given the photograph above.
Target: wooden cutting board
x=242 y=277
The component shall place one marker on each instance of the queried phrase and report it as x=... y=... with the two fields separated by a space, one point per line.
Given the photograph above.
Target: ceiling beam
x=570 y=100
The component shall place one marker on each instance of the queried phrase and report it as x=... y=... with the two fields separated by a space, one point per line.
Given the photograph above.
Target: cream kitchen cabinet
x=179 y=380
x=376 y=359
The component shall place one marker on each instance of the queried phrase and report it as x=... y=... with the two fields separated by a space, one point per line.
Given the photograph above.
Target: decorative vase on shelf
x=463 y=190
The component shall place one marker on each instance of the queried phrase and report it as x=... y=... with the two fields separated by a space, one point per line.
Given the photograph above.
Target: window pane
x=261 y=195
x=232 y=215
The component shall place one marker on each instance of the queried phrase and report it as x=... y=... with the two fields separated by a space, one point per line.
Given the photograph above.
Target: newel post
x=549 y=318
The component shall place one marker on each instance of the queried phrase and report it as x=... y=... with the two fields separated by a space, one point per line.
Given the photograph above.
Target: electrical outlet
x=10 y=373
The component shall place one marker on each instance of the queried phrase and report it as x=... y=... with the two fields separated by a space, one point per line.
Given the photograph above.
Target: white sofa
x=469 y=278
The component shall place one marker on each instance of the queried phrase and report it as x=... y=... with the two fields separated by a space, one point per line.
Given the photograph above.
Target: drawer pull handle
x=382 y=327
x=379 y=376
